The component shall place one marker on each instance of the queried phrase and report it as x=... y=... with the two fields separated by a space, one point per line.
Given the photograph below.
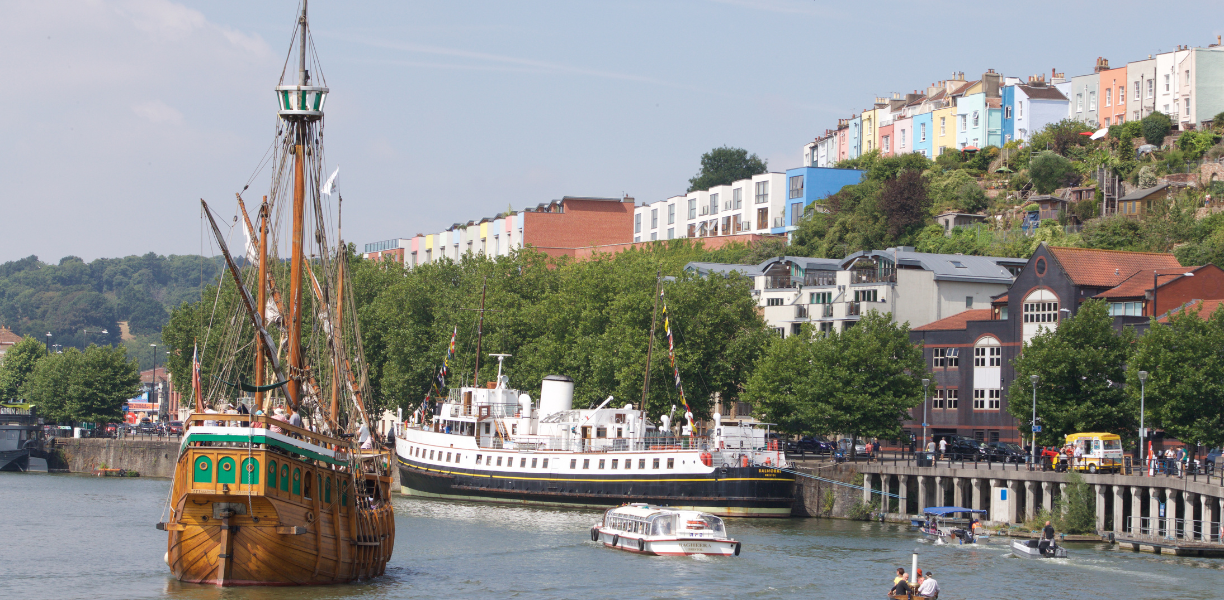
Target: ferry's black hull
x=741 y=491
x=14 y=460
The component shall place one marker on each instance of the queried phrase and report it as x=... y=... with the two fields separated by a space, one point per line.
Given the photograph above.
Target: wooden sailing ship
x=256 y=500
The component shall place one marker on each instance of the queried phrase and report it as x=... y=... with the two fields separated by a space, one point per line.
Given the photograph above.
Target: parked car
x=963 y=448
x=1006 y=452
x=175 y=428
x=112 y=429
x=808 y=445
x=148 y=428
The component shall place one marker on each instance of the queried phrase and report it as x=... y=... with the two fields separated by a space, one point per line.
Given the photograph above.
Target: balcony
x=854 y=309
x=820 y=278
x=801 y=311
x=779 y=221
x=872 y=276
x=826 y=311
x=777 y=282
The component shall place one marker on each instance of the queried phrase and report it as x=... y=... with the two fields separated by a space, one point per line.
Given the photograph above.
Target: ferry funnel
x=556 y=394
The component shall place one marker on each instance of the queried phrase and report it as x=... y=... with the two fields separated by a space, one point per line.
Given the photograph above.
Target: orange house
x=1112 y=101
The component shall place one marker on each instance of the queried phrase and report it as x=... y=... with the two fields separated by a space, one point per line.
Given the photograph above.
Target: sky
x=118 y=116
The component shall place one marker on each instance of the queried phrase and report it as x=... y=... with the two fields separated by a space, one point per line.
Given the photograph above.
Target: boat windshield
x=713 y=523
x=662 y=524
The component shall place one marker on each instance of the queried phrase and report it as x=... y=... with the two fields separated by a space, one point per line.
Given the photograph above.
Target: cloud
x=157 y=111
x=161 y=19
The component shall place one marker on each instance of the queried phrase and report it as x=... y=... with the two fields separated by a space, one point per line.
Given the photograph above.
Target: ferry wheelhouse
x=495 y=444
x=663 y=531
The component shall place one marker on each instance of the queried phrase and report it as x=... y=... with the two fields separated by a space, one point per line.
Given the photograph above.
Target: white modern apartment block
x=832 y=294
x=747 y=206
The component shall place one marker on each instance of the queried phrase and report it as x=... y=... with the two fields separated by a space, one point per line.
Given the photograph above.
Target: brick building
x=971 y=353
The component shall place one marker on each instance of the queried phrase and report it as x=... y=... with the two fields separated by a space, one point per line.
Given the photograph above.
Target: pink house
x=903 y=136
x=887 y=141
x=843 y=139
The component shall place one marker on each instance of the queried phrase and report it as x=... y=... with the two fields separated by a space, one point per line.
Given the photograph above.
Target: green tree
x=973 y=198
x=724 y=165
x=1185 y=386
x=19 y=363
x=89 y=386
x=1080 y=368
x=1156 y=127
x=861 y=381
x=1075 y=510
x=1196 y=143
x=1049 y=171
x=905 y=203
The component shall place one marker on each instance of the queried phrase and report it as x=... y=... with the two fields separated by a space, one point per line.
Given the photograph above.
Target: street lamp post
x=87 y=332
x=925 y=384
x=1143 y=375
x=153 y=382
x=1034 y=379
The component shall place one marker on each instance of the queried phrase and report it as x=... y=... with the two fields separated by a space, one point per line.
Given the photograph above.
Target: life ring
x=737 y=549
x=594 y=534
x=615 y=539
x=768 y=462
x=641 y=544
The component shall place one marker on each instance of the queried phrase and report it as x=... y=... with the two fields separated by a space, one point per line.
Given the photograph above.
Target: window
x=656 y=463
x=713 y=204
x=964 y=123
x=866 y=295
x=975 y=118
x=544 y=464
x=523 y=463
x=796 y=187
x=1020 y=108
x=671 y=463
x=762 y=192
x=671 y=214
x=942 y=125
x=988 y=356
x=1079 y=102
x=573 y=462
x=654 y=235
x=922 y=131
x=968 y=301
x=1167 y=78
x=671 y=233
x=762 y=218
x=1187 y=76
x=1007 y=112
x=637 y=223
x=586 y=463
x=601 y=463
x=499 y=461
x=796 y=213
x=642 y=463
x=1126 y=309
x=953 y=397
x=884 y=144
x=654 y=218
x=946 y=357
x=1092 y=100
x=1041 y=312
x=820 y=298
x=795 y=329
x=1151 y=87
x=1136 y=94
x=1108 y=96
x=773 y=302
x=987 y=399
x=692 y=208
x=614 y=461
x=533 y=463
x=938 y=400
x=737 y=198
x=628 y=463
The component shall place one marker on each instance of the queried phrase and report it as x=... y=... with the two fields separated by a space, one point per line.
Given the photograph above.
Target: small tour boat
x=1034 y=549
x=941 y=522
x=663 y=531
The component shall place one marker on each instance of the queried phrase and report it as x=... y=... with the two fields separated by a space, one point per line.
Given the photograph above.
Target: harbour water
x=72 y=536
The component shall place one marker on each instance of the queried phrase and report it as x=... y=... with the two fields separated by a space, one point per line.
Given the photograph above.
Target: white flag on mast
x=330 y=186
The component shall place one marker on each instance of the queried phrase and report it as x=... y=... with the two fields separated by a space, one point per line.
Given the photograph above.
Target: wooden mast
x=262 y=298
x=480 y=332
x=337 y=333
x=294 y=326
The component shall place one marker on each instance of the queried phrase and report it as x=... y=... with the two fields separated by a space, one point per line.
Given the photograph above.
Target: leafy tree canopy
x=1080 y=368
x=1156 y=127
x=862 y=381
x=1049 y=171
x=84 y=387
x=19 y=363
x=724 y=165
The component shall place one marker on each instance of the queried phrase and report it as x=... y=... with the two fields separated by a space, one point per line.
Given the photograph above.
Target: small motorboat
x=1038 y=549
x=942 y=522
x=663 y=531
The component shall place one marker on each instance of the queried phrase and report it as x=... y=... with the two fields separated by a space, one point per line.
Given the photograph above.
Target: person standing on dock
x=943 y=447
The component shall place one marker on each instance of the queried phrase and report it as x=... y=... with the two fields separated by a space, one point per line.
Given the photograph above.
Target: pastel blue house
x=923 y=135
x=1009 y=113
x=977 y=123
x=808 y=185
x=856 y=139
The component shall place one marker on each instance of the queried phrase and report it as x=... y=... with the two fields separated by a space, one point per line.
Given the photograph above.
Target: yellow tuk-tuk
x=1101 y=453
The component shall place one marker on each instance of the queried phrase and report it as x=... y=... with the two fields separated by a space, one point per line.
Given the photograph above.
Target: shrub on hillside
x=1049 y=171
x=1194 y=144
x=1155 y=127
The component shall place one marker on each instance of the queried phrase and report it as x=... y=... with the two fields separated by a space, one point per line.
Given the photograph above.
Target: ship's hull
x=14 y=460
x=732 y=492
x=281 y=521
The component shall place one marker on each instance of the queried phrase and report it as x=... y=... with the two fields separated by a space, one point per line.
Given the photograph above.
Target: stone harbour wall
x=150 y=458
x=814 y=498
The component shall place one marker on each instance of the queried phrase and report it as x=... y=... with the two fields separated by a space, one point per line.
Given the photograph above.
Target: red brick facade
x=581 y=223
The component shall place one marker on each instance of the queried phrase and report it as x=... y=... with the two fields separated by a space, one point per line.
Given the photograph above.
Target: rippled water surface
x=72 y=536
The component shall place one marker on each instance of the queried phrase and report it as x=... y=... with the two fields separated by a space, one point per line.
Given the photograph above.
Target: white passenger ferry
x=495 y=444
x=663 y=531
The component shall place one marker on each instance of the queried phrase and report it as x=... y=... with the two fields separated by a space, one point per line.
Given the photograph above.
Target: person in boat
x=1046 y=545
x=278 y=415
x=900 y=585
x=929 y=588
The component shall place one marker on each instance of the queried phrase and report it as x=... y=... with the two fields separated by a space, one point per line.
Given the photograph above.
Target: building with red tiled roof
x=1203 y=308
x=8 y=339
x=971 y=353
x=1166 y=289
